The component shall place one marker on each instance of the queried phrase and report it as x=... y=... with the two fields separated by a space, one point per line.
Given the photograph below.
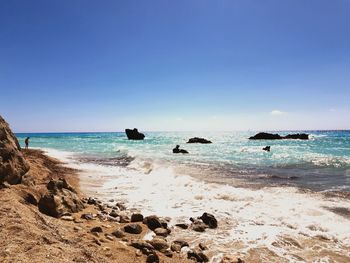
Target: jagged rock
x=12 y=163
x=197 y=256
x=134 y=134
x=136 y=217
x=133 y=229
x=57 y=185
x=198 y=140
x=209 y=220
x=152 y=222
x=59 y=201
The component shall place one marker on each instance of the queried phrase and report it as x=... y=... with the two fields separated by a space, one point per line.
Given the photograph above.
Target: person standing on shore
x=26 y=141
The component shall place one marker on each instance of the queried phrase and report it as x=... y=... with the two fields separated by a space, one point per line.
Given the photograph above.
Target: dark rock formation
x=267 y=148
x=198 y=140
x=182 y=225
x=152 y=222
x=270 y=136
x=12 y=163
x=265 y=136
x=134 y=134
x=136 y=217
x=60 y=199
x=300 y=136
x=178 y=150
x=133 y=229
x=209 y=220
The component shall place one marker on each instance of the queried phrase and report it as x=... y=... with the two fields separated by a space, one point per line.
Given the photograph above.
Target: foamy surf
x=270 y=224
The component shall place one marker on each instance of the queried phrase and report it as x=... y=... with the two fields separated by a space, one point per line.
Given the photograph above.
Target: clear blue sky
x=175 y=65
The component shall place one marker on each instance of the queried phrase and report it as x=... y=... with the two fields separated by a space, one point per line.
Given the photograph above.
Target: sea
x=291 y=204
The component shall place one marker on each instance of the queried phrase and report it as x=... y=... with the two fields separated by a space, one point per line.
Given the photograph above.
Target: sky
x=175 y=65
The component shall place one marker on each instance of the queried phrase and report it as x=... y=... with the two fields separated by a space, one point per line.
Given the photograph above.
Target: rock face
x=134 y=134
x=60 y=199
x=198 y=140
x=12 y=163
x=270 y=136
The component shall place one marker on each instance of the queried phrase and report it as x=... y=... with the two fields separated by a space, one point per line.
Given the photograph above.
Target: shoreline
x=298 y=243
x=37 y=237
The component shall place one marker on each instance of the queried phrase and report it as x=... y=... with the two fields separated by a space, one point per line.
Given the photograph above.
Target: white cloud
x=277 y=112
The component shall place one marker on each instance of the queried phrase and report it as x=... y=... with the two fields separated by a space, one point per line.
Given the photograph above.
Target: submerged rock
x=300 y=136
x=12 y=163
x=198 y=140
x=134 y=134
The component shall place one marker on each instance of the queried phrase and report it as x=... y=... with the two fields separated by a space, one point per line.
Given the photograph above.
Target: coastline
x=29 y=235
x=50 y=233
x=281 y=239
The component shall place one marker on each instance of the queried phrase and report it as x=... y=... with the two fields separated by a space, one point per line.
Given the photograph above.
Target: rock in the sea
x=267 y=148
x=60 y=200
x=133 y=229
x=12 y=163
x=198 y=140
x=178 y=150
x=152 y=222
x=265 y=136
x=134 y=134
x=209 y=220
x=270 y=136
x=300 y=136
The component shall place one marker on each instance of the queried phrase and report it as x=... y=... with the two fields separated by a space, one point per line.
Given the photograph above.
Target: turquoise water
x=321 y=163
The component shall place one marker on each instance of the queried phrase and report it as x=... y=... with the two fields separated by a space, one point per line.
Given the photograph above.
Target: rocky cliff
x=12 y=163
